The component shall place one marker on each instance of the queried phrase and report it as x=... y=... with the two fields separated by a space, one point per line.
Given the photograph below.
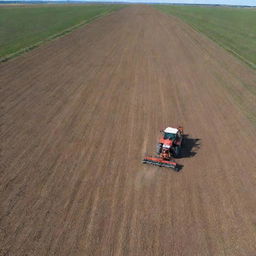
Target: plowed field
x=79 y=114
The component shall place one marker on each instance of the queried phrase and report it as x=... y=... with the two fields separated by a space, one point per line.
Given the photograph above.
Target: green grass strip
x=28 y=27
x=234 y=29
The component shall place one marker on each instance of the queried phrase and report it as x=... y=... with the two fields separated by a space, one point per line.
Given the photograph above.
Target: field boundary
x=55 y=36
x=249 y=63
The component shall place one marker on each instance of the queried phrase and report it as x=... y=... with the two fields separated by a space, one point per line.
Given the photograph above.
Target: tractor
x=169 y=147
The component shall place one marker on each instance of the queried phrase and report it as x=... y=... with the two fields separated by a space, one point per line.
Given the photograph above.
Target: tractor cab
x=170 y=133
x=172 y=136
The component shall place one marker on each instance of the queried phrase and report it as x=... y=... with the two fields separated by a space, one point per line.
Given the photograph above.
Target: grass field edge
x=249 y=63
x=55 y=36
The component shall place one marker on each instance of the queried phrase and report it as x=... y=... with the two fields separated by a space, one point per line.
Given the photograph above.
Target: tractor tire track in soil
x=79 y=114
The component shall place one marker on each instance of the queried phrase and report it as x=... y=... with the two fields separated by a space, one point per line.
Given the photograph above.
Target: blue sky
x=230 y=2
x=227 y=2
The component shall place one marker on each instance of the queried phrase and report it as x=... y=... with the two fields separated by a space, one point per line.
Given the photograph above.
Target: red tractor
x=168 y=147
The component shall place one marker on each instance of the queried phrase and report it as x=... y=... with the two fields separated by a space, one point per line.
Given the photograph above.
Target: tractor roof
x=171 y=130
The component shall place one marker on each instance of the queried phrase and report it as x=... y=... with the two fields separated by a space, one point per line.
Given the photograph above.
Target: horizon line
x=123 y=2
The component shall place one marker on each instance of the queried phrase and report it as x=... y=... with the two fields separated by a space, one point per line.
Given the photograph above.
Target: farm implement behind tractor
x=160 y=162
x=168 y=147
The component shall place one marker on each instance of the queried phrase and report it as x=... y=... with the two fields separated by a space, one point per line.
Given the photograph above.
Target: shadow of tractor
x=189 y=147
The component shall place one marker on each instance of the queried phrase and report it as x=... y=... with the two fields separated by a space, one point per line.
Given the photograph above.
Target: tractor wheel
x=159 y=147
x=176 y=151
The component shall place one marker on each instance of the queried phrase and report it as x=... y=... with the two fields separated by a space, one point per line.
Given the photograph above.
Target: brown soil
x=80 y=113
